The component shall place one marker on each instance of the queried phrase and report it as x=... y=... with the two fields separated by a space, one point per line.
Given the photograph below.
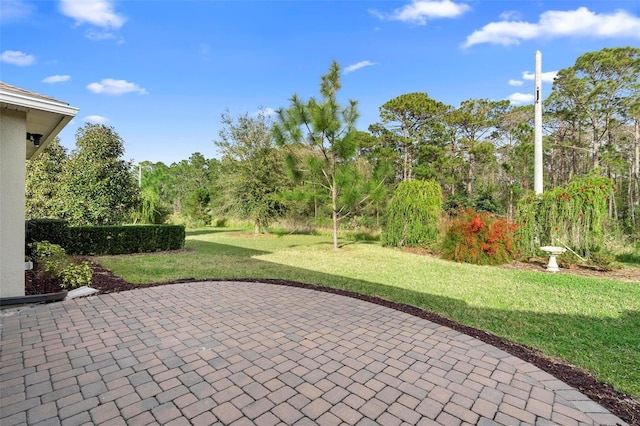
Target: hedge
x=100 y=240
x=55 y=231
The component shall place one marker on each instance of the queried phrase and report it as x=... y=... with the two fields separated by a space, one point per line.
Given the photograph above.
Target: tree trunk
x=636 y=145
x=596 y=150
x=636 y=169
x=409 y=162
x=408 y=155
x=256 y=226
x=405 y=166
x=510 y=209
x=334 y=214
x=630 y=198
x=470 y=178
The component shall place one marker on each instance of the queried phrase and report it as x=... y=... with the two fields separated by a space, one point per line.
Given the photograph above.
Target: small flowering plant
x=479 y=238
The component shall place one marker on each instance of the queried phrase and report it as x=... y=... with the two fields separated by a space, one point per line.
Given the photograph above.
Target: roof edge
x=35 y=102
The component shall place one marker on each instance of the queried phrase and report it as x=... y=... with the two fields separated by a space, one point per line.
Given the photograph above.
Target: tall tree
x=253 y=168
x=381 y=147
x=602 y=86
x=410 y=117
x=195 y=181
x=44 y=180
x=99 y=186
x=471 y=125
x=514 y=149
x=325 y=131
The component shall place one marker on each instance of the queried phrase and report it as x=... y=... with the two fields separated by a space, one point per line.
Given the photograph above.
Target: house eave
x=45 y=115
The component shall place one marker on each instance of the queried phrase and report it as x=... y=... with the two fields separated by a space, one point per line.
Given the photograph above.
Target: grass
x=591 y=323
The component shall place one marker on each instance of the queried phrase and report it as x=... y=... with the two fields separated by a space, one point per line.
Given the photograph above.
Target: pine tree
x=321 y=140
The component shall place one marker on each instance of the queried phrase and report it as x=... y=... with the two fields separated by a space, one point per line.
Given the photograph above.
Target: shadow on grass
x=608 y=347
x=205 y=231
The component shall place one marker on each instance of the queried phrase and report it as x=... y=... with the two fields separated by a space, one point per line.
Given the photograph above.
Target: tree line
x=309 y=165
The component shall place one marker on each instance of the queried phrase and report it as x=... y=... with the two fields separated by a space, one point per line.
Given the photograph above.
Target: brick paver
x=253 y=353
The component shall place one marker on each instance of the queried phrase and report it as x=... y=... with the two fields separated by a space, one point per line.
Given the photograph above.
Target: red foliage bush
x=479 y=238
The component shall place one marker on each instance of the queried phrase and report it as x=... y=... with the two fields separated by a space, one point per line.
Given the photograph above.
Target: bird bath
x=553 y=251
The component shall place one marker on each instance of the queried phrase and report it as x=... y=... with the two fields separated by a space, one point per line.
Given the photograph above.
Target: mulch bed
x=622 y=405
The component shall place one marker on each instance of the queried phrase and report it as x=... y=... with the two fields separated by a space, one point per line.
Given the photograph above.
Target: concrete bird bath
x=553 y=251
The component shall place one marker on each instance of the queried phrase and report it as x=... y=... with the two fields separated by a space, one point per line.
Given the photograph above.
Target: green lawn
x=591 y=323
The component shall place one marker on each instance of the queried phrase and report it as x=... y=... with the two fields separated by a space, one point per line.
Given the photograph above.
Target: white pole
x=537 y=139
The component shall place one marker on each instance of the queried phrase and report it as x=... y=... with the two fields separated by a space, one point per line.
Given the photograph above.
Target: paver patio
x=252 y=353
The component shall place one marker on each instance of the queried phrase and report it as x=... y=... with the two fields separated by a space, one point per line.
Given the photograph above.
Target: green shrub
x=568 y=260
x=603 y=260
x=76 y=275
x=53 y=261
x=49 y=257
x=575 y=214
x=479 y=238
x=413 y=215
x=632 y=257
x=99 y=240
x=55 y=231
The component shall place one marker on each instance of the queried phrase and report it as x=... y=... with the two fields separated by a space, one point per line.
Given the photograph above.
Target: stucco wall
x=13 y=129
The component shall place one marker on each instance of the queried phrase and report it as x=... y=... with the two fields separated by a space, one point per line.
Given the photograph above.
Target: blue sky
x=161 y=72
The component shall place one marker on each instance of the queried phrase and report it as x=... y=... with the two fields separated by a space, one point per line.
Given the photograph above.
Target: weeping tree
x=413 y=215
x=320 y=142
x=574 y=214
x=155 y=188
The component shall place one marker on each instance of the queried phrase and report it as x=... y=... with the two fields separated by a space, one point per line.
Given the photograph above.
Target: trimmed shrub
x=575 y=214
x=55 y=231
x=52 y=261
x=413 y=215
x=99 y=240
x=479 y=238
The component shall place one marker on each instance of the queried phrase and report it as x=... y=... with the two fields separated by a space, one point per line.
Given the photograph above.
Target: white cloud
x=554 y=23
x=266 y=111
x=520 y=98
x=510 y=15
x=419 y=11
x=57 y=79
x=95 y=12
x=109 y=86
x=14 y=10
x=361 y=64
x=100 y=36
x=96 y=119
x=15 y=57
x=515 y=82
x=545 y=77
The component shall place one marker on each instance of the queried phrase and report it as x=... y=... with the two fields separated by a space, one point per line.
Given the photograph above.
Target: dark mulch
x=622 y=405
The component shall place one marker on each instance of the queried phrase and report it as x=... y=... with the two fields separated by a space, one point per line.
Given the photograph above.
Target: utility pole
x=537 y=138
